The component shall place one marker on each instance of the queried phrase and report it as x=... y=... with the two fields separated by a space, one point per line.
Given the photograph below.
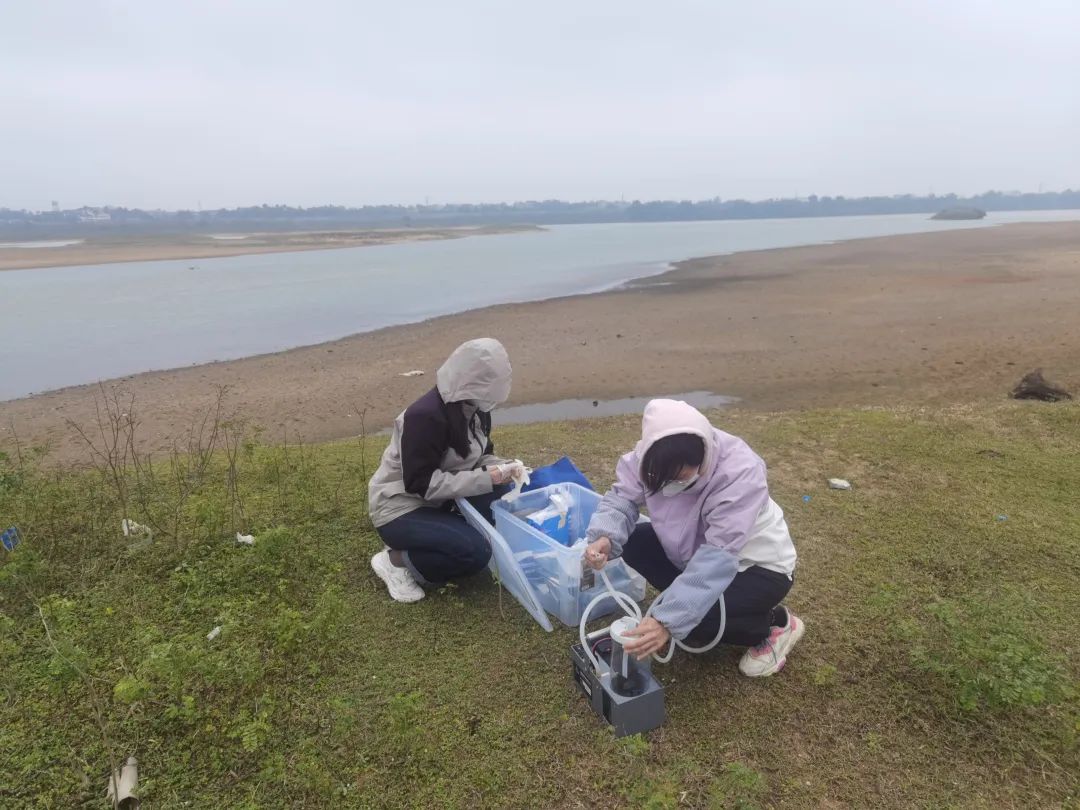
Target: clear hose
x=632 y=609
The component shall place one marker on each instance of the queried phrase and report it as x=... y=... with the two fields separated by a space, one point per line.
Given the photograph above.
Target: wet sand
x=109 y=249
x=928 y=318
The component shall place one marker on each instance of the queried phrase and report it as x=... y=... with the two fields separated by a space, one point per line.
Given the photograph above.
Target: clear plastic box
x=554 y=570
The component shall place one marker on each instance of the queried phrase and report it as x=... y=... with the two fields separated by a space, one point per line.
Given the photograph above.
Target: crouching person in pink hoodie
x=714 y=532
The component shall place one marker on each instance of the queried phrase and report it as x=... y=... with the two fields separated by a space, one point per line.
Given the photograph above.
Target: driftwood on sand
x=1034 y=386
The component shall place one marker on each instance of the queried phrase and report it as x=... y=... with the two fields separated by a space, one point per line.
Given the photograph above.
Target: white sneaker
x=769 y=657
x=398 y=581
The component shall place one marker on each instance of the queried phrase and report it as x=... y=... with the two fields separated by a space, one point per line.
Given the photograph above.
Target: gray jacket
x=441 y=443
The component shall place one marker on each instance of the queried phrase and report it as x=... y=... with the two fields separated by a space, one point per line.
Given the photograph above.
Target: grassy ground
x=939 y=668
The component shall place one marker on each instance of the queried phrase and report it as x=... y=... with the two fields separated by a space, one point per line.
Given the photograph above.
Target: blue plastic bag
x=551 y=527
x=563 y=471
x=555 y=518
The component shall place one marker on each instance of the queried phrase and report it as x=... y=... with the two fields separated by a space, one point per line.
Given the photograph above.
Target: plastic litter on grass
x=124 y=786
x=132 y=529
x=10 y=538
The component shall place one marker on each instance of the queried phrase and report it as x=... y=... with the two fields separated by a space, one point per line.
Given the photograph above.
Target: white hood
x=476 y=370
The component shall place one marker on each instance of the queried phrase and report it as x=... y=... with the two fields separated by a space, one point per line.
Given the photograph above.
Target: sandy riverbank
x=106 y=250
x=926 y=318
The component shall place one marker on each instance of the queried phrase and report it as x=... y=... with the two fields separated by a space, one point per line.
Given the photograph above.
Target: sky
x=220 y=103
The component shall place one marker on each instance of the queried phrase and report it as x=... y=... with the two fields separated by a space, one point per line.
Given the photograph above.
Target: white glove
x=519 y=473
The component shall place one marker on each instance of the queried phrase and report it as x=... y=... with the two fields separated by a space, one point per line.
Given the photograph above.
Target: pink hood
x=670 y=417
x=720 y=508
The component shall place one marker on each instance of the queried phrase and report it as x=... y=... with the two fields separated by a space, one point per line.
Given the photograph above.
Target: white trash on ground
x=132 y=529
x=839 y=483
x=124 y=785
x=245 y=539
x=214 y=633
x=414 y=373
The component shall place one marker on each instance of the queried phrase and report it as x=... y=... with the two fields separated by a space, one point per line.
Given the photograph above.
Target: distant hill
x=104 y=221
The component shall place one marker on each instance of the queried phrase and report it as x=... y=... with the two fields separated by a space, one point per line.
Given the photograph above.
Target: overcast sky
x=171 y=104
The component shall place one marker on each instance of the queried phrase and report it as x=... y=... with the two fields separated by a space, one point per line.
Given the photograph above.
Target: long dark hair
x=665 y=459
x=461 y=426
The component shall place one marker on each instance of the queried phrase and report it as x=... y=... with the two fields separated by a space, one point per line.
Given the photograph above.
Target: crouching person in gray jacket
x=441 y=450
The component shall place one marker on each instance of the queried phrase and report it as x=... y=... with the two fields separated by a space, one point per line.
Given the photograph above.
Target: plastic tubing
x=632 y=609
x=627 y=604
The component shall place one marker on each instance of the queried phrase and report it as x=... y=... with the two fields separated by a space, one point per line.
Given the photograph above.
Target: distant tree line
x=122 y=221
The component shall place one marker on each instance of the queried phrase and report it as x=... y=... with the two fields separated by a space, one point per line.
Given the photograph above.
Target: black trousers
x=437 y=544
x=749 y=599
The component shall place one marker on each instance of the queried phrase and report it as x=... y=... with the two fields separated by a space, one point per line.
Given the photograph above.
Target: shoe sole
x=384 y=575
x=779 y=665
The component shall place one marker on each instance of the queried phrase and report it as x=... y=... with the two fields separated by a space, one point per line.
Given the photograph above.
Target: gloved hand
x=518 y=473
x=499 y=474
x=597 y=553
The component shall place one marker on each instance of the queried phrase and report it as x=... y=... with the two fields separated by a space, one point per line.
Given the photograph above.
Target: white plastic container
x=553 y=570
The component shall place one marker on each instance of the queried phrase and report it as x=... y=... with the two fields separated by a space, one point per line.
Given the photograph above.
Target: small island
x=960 y=213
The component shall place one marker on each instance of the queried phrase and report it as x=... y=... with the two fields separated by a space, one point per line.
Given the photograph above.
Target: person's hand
x=597 y=552
x=649 y=637
x=499 y=475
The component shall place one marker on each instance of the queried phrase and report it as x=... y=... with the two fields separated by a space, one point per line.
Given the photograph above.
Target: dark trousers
x=749 y=599
x=437 y=544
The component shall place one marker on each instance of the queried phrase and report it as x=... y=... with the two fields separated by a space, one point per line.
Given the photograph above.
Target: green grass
x=939 y=668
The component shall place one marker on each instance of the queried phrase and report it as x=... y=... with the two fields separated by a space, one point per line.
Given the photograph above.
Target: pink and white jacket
x=723 y=524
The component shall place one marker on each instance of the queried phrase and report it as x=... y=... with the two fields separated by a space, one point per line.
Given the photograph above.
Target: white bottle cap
x=619 y=629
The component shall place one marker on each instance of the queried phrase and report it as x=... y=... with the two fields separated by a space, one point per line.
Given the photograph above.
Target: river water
x=69 y=325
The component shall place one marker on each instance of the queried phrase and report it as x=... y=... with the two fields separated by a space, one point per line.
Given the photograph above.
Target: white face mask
x=675 y=487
